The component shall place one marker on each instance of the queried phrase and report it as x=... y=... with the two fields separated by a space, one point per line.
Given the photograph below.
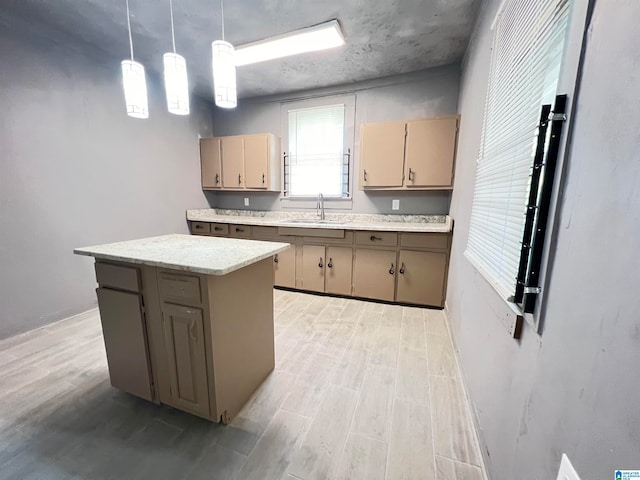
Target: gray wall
x=76 y=171
x=424 y=94
x=575 y=387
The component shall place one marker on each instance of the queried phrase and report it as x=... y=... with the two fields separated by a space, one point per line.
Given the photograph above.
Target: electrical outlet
x=246 y=201
x=395 y=204
x=567 y=472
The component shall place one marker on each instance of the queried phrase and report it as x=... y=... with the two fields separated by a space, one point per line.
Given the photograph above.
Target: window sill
x=509 y=314
x=306 y=203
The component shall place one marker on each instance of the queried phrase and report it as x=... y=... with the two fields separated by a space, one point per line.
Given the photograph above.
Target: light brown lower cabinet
x=313 y=263
x=284 y=266
x=404 y=267
x=374 y=274
x=421 y=277
x=184 y=341
x=339 y=264
x=125 y=341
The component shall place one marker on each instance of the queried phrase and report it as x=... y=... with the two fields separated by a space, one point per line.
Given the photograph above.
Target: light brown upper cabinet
x=241 y=162
x=408 y=155
x=382 y=157
x=210 y=162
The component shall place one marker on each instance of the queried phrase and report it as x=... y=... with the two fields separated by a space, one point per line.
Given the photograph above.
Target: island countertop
x=207 y=255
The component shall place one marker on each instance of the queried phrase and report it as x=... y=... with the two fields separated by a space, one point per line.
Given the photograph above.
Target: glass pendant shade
x=176 y=84
x=135 y=89
x=224 y=74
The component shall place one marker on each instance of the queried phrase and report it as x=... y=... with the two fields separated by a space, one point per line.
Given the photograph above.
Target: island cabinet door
x=125 y=341
x=185 y=346
x=421 y=277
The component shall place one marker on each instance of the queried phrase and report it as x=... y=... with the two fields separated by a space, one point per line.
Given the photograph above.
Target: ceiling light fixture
x=176 y=83
x=134 y=82
x=224 y=70
x=318 y=37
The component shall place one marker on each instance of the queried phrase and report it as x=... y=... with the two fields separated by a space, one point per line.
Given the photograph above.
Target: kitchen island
x=187 y=321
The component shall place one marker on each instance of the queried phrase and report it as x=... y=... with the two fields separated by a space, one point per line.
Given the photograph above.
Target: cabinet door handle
x=373 y=238
x=263 y=178
x=411 y=174
x=330 y=264
x=365 y=175
x=217 y=229
x=401 y=268
x=239 y=179
x=392 y=270
x=275 y=258
x=217 y=178
x=239 y=229
x=320 y=264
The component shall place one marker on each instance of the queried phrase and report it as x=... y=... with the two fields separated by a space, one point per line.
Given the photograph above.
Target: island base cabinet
x=338 y=272
x=374 y=274
x=186 y=359
x=284 y=267
x=124 y=334
x=421 y=277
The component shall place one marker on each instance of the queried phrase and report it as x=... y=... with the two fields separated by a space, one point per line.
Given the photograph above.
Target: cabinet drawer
x=240 y=231
x=424 y=240
x=118 y=276
x=200 y=227
x=180 y=288
x=219 y=229
x=382 y=239
x=265 y=233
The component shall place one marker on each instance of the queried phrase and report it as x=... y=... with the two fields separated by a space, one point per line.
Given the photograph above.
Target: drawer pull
x=330 y=264
x=373 y=238
x=239 y=230
x=275 y=258
x=320 y=264
x=199 y=227
x=401 y=269
x=217 y=229
x=392 y=270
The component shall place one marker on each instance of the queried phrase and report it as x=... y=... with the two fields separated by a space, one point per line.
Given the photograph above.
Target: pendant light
x=134 y=82
x=224 y=70
x=176 y=84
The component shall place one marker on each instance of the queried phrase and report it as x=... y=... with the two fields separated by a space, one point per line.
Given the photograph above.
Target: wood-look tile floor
x=361 y=390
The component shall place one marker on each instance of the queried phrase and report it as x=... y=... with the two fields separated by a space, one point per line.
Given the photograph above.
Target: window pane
x=316 y=146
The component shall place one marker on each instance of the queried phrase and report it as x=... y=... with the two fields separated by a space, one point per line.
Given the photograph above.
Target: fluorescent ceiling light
x=319 y=37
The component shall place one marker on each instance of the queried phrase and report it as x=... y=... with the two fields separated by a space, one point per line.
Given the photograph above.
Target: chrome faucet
x=320 y=206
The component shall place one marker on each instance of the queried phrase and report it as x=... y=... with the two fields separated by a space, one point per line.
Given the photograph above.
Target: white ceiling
x=384 y=37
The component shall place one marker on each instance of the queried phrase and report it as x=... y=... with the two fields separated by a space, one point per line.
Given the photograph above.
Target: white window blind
x=316 y=163
x=528 y=47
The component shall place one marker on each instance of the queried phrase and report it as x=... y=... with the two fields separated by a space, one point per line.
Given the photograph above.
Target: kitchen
x=76 y=171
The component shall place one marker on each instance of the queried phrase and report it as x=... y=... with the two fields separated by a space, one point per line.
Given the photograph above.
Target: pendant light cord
x=173 y=35
x=221 y=17
x=129 y=25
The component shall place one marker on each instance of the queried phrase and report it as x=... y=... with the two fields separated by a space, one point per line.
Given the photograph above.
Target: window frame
x=349 y=102
x=568 y=83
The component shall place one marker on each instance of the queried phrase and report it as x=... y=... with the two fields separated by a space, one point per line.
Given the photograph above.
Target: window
x=528 y=48
x=316 y=161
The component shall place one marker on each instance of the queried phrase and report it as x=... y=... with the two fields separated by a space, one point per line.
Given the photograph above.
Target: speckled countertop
x=341 y=221
x=208 y=255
